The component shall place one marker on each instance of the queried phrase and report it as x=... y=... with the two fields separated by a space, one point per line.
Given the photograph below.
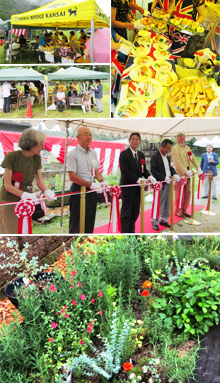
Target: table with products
x=152 y=85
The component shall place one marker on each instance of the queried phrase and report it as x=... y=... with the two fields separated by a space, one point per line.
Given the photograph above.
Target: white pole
x=11 y=45
x=45 y=95
x=92 y=40
x=64 y=172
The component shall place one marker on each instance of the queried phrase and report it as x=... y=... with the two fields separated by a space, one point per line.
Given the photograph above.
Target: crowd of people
x=90 y=93
x=77 y=44
x=83 y=169
x=11 y=94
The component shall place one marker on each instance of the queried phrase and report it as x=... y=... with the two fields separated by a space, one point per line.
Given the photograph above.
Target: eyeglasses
x=135 y=139
x=86 y=135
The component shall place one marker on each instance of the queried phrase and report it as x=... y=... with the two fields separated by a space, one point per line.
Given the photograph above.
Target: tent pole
x=92 y=40
x=64 y=173
x=45 y=96
x=11 y=44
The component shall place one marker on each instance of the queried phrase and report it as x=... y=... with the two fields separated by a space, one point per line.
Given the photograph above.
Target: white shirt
x=6 y=87
x=61 y=95
x=79 y=161
x=133 y=152
x=166 y=165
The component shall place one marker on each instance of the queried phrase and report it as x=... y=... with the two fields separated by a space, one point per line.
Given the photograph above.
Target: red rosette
x=24 y=210
x=115 y=191
x=142 y=163
x=183 y=181
x=155 y=212
x=190 y=155
x=17 y=177
x=158 y=186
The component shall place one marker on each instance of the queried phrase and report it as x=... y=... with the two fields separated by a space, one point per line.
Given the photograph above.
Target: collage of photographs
x=110 y=191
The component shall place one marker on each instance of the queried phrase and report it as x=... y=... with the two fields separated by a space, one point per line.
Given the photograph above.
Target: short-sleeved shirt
x=80 y=160
x=187 y=8
x=122 y=11
x=27 y=166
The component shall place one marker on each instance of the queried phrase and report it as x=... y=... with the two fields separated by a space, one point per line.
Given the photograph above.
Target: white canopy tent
x=215 y=142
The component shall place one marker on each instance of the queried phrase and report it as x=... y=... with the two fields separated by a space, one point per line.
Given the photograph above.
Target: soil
x=40 y=246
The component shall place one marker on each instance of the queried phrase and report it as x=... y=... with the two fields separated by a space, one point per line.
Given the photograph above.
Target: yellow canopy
x=64 y=14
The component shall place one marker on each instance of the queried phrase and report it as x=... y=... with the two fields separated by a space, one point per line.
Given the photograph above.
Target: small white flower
x=26 y=281
x=144 y=369
x=157 y=361
x=132 y=376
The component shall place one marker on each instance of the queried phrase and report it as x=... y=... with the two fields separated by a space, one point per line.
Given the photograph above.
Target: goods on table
x=142 y=40
x=149 y=90
x=191 y=97
x=186 y=24
x=140 y=73
x=140 y=51
x=160 y=14
x=144 y=33
x=151 y=24
x=131 y=107
x=147 y=60
x=161 y=46
x=146 y=21
x=162 y=54
x=160 y=65
x=166 y=77
x=161 y=39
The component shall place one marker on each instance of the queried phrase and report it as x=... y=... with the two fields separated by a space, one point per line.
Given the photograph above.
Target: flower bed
x=115 y=315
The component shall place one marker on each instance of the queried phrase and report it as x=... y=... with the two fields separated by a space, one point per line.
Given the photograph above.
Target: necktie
x=136 y=159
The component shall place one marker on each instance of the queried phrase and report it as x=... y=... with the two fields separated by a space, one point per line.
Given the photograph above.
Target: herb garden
x=124 y=309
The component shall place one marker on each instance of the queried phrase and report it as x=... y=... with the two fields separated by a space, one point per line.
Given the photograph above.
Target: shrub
x=192 y=302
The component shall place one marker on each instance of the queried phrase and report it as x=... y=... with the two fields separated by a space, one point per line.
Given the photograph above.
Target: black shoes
x=163 y=223
x=156 y=227
x=187 y=215
x=214 y=198
x=204 y=197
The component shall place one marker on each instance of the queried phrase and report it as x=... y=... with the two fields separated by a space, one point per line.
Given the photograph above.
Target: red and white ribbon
x=200 y=184
x=155 y=212
x=42 y=203
x=142 y=163
x=24 y=210
x=183 y=182
x=94 y=164
x=105 y=195
x=148 y=187
x=115 y=192
x=17 y=177
x=190 y=155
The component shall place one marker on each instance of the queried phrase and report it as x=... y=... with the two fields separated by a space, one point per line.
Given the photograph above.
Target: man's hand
x=167 y=180
x=189 y=173
x=97 y=186
x=152 y=180
x=176 y=177
x=33 y=196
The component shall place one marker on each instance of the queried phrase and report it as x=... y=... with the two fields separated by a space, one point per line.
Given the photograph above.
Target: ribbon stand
x=82 y=210
x=171 y=203
x=142 y=205
x=208 y=211
x=192 y=221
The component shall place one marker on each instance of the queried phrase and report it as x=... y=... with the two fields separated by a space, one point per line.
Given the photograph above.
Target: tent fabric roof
x=64 y=14
x=5 y=24
x=155 y=129
x=20 y=74
x=74 y=73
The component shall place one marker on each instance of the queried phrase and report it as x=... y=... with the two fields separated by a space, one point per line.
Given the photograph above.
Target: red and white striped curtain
x=19 y=32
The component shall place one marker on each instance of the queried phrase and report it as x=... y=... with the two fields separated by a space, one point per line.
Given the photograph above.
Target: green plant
x=107 y=362
x=192 y=302
x=28 y=266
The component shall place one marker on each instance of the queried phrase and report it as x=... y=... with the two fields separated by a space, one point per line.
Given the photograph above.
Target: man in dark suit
x=209 y=162
x=162 y=171
x=131 y=173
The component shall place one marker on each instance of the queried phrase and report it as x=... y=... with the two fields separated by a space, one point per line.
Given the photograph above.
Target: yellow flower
x=59 y=349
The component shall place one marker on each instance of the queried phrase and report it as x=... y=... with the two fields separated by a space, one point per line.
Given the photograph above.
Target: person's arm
x=129 y=175
x=201 y=13
x=119 y=24
x=78 y=180
x=40 y=183
x=8 y=184
x=202 y=162
x=215 y=160
x=115 y=46
x=135 y=6
x=98 y=175
x=154 y=169
x=153 y=6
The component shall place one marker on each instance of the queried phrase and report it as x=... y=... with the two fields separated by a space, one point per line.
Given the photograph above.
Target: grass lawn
x=38 y=111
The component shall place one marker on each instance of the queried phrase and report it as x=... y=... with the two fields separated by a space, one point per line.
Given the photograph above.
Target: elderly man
x=133 y=168
x=209 y=162
x=15 y=49
x=162 y=170
x=61 y=99
x=83 y=167
x=183 y=159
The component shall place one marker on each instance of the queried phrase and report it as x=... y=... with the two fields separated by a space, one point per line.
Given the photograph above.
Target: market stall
x=76 y=74
x=19 y=74
x=155 y=83
x=68 y=14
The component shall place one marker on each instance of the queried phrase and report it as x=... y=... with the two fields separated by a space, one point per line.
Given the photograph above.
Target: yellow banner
x=66 y=14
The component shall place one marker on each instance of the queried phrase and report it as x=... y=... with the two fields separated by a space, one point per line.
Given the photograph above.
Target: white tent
x=215 y=142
